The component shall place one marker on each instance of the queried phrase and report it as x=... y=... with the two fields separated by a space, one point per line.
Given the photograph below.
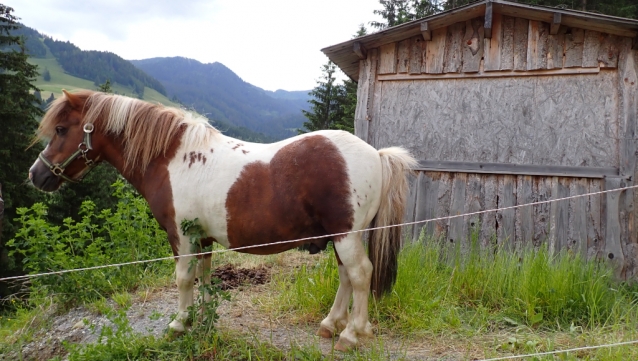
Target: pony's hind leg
x=337 y=319
x=184 y=278
x=359 y=271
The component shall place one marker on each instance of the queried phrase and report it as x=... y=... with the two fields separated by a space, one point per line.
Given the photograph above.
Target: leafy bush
x=127 y=233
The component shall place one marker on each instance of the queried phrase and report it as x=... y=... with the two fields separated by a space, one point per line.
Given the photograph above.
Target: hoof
x=325 y=332
x=345 y=345
x=177 y=326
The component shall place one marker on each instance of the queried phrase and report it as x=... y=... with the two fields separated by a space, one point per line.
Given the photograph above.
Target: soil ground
x=150 y=313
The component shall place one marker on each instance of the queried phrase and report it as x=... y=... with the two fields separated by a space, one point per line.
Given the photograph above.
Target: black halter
x=84 y=147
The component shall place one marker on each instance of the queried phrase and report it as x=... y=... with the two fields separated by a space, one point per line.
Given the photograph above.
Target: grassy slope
x=61 y=80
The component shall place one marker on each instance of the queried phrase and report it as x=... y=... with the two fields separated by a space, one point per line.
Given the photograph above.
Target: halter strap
x=83 y=148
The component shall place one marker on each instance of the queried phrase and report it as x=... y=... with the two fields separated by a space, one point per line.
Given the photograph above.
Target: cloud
x=271 y=44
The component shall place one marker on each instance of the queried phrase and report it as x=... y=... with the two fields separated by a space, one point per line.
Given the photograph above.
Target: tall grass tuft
x=441 y=289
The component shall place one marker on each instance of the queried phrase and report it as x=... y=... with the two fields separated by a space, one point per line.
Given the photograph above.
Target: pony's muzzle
x=42 y=178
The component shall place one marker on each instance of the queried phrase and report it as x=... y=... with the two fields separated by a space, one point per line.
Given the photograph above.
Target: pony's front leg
x=184 y=278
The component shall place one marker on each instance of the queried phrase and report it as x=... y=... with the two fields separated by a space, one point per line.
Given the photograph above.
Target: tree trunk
x=1 y=211
x=584 y=2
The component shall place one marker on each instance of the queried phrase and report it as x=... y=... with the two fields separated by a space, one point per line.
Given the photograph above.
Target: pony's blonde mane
x=147 y=130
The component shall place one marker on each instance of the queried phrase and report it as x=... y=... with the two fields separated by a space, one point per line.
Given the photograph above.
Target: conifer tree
x=325 y=105
x=18 y=114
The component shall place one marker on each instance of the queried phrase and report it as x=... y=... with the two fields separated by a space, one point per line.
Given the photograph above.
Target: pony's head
x=71 y=150
x=87 y=127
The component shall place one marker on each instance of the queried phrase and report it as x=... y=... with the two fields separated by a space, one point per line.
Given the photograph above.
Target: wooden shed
x=506 y=104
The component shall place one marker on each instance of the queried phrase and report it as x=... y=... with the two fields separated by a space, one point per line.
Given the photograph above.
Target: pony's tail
x=384 y=244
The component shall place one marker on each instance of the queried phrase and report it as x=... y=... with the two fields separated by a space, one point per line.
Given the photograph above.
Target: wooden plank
x=591 y=48
x=537 y=45
x=360 y=50
x=574 y=43
x=594 y=234
x=426 y=32
x=375 y=113
x=553 y=30
x=507 y=218
x=613 y=245
x=559 y=216
x=521 y=29
x=435 y=53
x=474 y=203
x=517 y=169
x=403 y=60
x=525 y=214
x=628 y=99
x=453 y=48
x=608 y=53
x=507 y=47
x=578 y=209
x=365 y=89
x=556 y=49
x=472 y=46
x=457 y=235
x=387 y=59
x=410 y=208
x=488 y=220
x=421 y=205
x=500 y=74
x=542 y=188
x=443 y=206
x=628 y=95
x=431 y=200
x=487 y=24
x=492 y=46
x=417 y=54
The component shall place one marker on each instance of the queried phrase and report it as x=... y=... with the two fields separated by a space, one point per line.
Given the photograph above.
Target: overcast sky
x=273 y=44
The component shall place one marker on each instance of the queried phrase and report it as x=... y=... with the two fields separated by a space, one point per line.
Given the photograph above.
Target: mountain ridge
x=220 y=94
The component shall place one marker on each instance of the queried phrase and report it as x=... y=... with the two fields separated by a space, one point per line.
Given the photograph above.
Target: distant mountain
x=96 y=66
x=217 y=92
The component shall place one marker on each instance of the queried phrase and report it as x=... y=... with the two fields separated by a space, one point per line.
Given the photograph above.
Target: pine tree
x=46 y=75
x=18 y=114
x=327 y=97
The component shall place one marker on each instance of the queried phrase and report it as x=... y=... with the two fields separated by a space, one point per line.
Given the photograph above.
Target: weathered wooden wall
x=544 y=120
x=527 y=96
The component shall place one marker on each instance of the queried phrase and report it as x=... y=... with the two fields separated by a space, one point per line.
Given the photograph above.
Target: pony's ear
x=74 y=100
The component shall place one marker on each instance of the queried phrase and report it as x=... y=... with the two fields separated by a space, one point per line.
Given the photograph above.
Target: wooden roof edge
x=617 y=25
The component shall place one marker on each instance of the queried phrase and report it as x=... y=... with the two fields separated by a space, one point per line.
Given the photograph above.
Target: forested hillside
x=217 y=92
x=96 y=66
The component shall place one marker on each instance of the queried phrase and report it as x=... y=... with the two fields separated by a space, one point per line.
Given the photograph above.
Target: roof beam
x=553 y=30
x=488 y=20
x=426 y=31
x=360 y=50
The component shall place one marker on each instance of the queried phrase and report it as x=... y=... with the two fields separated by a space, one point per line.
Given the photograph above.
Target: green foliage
x=128 y=233
x=325 y=105
x=106 y=87
x=46 y=75
x=440 y=289
x=396 y=12
x=19 y=109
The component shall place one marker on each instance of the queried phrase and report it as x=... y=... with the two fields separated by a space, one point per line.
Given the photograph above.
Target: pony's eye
x=60 y=130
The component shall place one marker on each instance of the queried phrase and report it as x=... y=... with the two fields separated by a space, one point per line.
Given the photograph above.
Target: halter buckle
x=56 y=170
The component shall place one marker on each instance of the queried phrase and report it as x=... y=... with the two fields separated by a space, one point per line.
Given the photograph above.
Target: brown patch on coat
x=245 y=151
x=196 y=157
x=303 y=192
x=237 y=146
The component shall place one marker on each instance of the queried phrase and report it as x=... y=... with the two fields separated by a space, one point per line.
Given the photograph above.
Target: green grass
x=61 y=80
x=537 y=297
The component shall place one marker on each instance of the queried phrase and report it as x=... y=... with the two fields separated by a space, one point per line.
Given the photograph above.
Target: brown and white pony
x=243 y=194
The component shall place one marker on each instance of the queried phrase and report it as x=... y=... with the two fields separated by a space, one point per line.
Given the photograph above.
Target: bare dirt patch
x=244 y=315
